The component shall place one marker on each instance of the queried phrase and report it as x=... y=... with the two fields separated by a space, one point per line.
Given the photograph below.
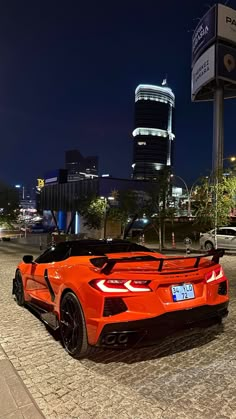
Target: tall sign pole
x=217 y=149
x=214 y=77
x=218 y=131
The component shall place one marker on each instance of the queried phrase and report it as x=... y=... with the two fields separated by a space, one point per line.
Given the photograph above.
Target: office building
x=153 y=136
x=80 y=167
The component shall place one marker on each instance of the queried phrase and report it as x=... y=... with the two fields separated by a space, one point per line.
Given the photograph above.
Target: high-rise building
x=80 y=167
x=153 y=135
x=27 y=196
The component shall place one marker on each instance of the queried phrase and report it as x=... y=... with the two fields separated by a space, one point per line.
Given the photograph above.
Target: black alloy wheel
x=72 y=326
x=18 y=289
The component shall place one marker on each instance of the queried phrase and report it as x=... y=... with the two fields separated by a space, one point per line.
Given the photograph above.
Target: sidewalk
x=15 y=400
x=179 y=247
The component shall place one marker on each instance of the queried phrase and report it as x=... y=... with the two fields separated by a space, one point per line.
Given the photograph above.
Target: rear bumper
x=149 y=330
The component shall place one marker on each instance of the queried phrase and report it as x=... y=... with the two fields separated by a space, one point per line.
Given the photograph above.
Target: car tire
x=209 y=246
x=19 y=289
x=72 y=327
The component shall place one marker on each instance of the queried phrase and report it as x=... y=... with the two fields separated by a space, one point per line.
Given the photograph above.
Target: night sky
x=68 y=71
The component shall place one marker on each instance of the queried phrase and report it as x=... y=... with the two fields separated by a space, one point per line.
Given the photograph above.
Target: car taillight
x=121 y=285
x=214 y=275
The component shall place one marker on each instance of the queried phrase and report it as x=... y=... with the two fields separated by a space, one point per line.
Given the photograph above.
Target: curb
x=15 y=399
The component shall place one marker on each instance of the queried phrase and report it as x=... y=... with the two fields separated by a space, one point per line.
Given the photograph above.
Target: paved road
x=191 y=375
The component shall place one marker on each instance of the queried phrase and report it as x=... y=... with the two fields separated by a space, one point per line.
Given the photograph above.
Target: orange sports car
x=117 y=293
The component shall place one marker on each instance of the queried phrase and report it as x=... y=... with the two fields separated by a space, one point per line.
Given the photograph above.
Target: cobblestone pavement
x=15 y=400
x=190 y=375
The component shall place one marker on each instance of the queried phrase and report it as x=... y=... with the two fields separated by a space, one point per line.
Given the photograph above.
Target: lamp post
x=188 y=192
x=106 y=206
x=230 y=159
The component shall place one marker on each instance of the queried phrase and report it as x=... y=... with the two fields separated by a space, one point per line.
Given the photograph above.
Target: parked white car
x=226 y=238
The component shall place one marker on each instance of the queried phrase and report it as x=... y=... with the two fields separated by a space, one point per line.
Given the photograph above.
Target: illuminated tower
x=153 y=135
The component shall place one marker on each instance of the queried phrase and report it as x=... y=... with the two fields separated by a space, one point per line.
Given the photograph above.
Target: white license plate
x=182 y=292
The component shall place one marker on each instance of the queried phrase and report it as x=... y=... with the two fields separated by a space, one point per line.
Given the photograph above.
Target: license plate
x=183 y=292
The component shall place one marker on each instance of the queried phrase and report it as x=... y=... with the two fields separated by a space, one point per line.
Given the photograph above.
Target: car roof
x=228 y=227
x=220 y=228
x=95 y=242
x=88 y=243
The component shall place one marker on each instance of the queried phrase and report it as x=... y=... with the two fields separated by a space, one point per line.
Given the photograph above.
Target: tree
x=215 y=201
x=226 y=193
x=93 y=210
x=158 y=209
x=202 y=205
x=128 y=204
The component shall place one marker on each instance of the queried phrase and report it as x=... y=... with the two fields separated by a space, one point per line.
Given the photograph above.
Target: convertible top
x=100 y=247
x=70 y=248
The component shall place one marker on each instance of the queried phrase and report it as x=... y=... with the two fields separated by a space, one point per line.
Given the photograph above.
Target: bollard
x=188 y=250
x=142 y=240
x=187 y=242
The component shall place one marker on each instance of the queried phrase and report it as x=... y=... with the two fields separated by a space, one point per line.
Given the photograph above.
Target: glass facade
x=80 y=167
x=153 y=136
x=66 y=196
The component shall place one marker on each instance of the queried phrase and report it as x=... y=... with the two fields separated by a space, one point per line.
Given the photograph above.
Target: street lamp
x=188 y=192
x=230 y=159
x=106 y=206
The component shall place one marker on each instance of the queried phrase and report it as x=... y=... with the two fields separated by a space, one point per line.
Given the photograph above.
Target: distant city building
x=60 y=202
x=80 y=167
x=27 y=196
x=153 y=135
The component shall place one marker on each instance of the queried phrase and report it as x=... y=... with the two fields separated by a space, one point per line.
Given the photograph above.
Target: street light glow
x=109 y=198
x=231 y=158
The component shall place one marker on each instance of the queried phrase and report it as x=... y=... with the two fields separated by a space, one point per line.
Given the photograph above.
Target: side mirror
x=28 y=258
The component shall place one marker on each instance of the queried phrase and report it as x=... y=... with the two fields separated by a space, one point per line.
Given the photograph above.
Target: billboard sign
x=40 y=184
x=226 y=27
x=203 y=70
x=226 y=67
x=204 y=33
x=55 y=176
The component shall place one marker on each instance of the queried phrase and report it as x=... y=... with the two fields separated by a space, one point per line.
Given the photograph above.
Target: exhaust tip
x=110 y=339
x=123 y=338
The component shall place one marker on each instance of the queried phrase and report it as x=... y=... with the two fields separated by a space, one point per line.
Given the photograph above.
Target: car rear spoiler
x=107 y=264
